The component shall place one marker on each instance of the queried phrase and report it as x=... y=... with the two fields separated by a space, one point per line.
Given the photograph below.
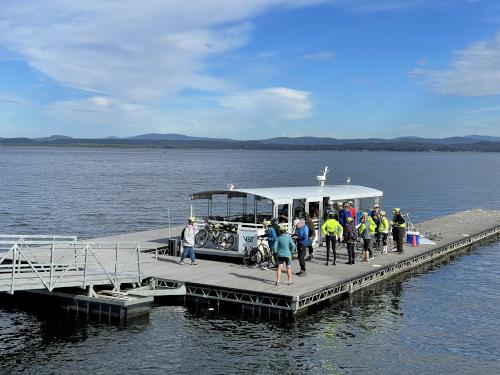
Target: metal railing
x=49 y=262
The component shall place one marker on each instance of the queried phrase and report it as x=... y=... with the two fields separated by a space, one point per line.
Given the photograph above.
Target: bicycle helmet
x=382 y=213
x=192 y=219
x=266 y=222
x=330 y=203
x=396 y=210
x=331 y=215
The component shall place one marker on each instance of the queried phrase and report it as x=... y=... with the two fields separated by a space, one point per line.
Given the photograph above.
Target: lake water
x=443 y=319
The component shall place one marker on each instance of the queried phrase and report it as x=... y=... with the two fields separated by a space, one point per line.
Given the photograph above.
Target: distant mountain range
x=466 y=143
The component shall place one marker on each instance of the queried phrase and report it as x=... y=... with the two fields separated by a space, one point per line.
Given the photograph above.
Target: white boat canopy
x=283 y=195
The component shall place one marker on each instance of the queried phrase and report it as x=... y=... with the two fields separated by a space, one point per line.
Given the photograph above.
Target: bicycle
x=222 y=235
x=260 y=255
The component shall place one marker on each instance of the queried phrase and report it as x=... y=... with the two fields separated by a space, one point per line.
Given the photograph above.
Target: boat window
x=314 y=210
x=283 y=213
x=299 y=207
x=366 y=204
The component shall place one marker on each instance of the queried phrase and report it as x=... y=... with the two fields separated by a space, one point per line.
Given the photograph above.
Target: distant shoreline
x=253 y=145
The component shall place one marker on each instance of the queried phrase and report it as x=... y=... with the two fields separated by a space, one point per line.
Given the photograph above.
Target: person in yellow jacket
x=383 y=232
x=373 y=228
x=332 y=229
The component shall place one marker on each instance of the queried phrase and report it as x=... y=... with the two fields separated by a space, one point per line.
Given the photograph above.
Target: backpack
x=353 y=234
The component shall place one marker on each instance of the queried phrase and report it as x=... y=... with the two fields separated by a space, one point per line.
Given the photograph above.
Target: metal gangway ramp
x=34 y=262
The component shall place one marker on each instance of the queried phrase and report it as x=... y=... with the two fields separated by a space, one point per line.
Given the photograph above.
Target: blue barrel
x=410 y=235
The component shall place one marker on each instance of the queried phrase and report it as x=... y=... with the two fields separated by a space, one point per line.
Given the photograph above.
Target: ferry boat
x=246 y=208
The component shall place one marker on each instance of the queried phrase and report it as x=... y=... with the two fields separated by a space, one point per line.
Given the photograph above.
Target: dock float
x=227 y=285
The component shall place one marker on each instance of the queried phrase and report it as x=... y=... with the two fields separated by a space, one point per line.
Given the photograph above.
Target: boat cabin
x=248 y=208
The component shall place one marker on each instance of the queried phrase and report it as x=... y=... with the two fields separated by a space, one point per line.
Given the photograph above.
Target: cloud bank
x=129 y=56
x=475 y=71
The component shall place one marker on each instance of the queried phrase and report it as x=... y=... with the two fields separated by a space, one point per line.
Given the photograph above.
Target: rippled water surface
x=443 y=319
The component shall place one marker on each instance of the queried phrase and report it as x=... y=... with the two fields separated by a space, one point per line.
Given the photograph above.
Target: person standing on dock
x=331 y=229
x=399 y=228
x=302 y=237
x=188 y=234
x=312 y=235
x=365 y=233
x=352 y=209
x=344 y=213
x=283 y=248
x=350 y=236
x=383 y=232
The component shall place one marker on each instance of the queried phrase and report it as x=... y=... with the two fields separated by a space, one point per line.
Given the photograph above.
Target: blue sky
x=250 y=69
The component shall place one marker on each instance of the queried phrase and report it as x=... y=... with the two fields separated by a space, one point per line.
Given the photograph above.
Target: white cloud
x=272 y=104
x=319 y=56
x=129 y=49
x=224 y=115
x=475 y=71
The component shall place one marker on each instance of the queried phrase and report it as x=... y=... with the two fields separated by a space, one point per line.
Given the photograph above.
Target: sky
x=250 y=69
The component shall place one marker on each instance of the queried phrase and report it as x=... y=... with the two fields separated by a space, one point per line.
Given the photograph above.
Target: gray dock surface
x=449 y=232
x=219 y=281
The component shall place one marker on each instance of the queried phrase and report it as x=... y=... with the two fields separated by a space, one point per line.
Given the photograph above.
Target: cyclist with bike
x=271 y=227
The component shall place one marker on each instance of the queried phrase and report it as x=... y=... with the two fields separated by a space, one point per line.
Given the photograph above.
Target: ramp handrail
x=37 y=261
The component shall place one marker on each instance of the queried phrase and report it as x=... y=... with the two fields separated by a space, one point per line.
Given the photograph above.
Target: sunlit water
x=439 y=320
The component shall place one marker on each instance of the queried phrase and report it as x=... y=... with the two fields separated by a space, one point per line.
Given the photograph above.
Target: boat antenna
x=322 y=178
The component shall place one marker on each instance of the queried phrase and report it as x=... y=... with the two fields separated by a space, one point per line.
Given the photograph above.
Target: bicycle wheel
x=226 y=240
x=201 y=238
x=259 y=257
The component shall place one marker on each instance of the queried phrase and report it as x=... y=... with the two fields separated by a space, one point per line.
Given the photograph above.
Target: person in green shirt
x=332 y=230
x=383 y=232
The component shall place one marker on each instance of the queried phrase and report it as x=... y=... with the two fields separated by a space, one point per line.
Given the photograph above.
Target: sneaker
x=348 y=262
x=326 y=264
x=181 y=262
x=290 y=282
x=301 y=273
x=276 y=283
x=384 y=252
x=372 y=257
x=194 y=263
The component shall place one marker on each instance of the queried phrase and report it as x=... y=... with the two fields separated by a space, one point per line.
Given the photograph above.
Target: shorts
x=287 y=260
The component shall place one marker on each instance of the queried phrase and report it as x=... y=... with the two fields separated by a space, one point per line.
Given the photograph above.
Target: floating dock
x=218 y=284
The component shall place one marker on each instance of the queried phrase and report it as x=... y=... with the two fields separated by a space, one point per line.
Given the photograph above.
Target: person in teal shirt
x=283 y=248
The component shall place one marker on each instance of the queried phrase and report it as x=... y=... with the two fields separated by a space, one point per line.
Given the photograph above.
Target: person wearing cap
x=344 y=213
x=373 y=231
x=270 y=235
x=188 y=234
x=398 y=227
x=330 y=210
x=383 y=231
x=365 y=234
x=331 y=229
x=350 y=237
x=302 y=238
x=352 y=209
x=312 y=236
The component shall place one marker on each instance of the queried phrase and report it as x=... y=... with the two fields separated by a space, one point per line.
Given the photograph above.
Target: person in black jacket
x=398 y=229
x=312 y=235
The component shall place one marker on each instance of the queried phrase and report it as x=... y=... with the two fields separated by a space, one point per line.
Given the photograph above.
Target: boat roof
x=281 y=195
